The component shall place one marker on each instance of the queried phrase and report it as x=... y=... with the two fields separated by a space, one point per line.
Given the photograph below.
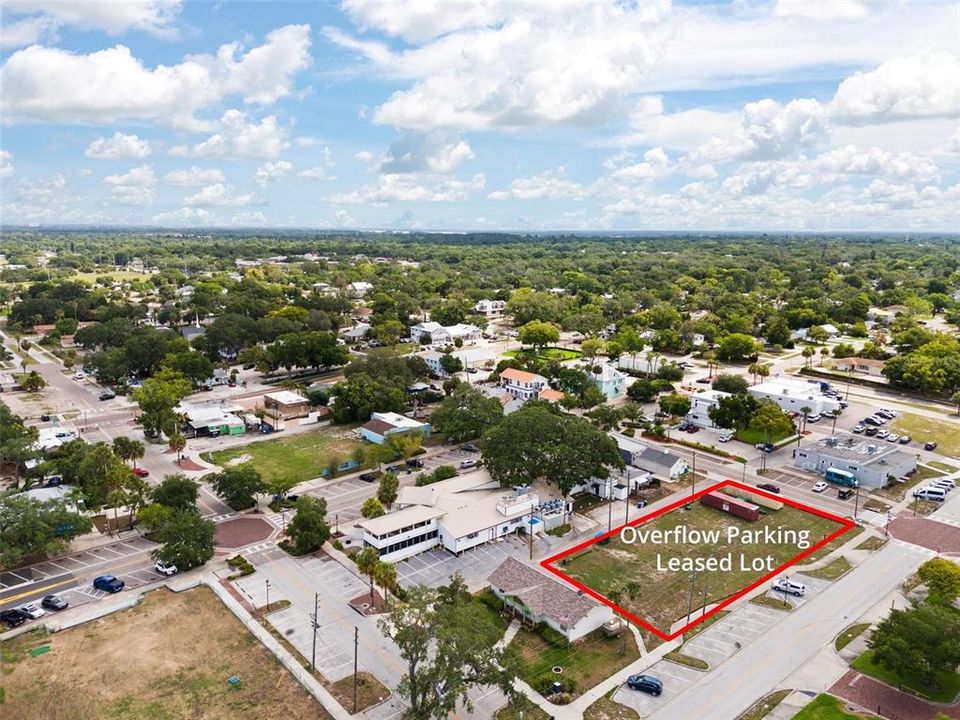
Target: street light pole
x=313 y=654
x=693 y=474
x=268 y=597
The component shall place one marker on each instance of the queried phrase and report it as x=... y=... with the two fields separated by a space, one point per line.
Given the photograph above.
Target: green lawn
x=585 y=662
x=832 y=570
x=827 y=707
x=549 y=353
x=765 y=706
x=118 y=275
x=942 y=466
x=755 y=436
x=304 y=456
x=849 y=635
x=524 y=709
x=921 y=428
x=629 y=573
x=948 y=682
x=490 y=617
x=872 y=543
x=607 y=709
x=898 y=490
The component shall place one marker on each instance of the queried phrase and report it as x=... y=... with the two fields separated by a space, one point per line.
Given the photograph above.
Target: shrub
x=629 y=432
x=552 y=636
x=241 y=565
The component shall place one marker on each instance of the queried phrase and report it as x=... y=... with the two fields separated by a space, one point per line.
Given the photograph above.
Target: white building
x=523 y=385
x=445 y=335
x=382 y=425
x=872 y=462
x=457 y=514
x=539 y=598
x=794 y=395
x=490 y=308
x=700 y=404
x=359 y=289
x=471 y=358
x=650 y=458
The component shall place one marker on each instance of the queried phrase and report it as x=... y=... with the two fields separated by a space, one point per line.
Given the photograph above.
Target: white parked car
x=819 y=487
x=893 y=437
x=33 y=610
x=164 y=568
x=790 y=587
x=725 y=437
x=465 y=464
x=881 y=434
x=79 y=375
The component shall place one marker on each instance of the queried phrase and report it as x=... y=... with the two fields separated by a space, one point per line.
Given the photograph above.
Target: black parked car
x=369 y=476
x=54 y=602
x=44 y=418
x=930 y=445
x=414 y=462
x=470 y=447
x=13 y=618
x=108 y=395
x=645 y=683
x=769 y=487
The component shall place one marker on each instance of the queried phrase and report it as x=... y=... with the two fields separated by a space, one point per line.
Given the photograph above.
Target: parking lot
x=78 y=563
x=803 y=481
x=714 y=645
x=435 y=567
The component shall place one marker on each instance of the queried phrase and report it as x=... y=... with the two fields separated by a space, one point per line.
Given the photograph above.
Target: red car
x=141 y=473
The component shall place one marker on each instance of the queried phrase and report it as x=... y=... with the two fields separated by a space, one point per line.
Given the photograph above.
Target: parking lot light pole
x=267 y=609
x=315 y=624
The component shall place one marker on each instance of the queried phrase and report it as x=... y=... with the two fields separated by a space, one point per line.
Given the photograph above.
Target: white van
x=943 y=484
x=930 y=493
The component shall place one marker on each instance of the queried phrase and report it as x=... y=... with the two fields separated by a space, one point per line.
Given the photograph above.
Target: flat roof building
x=795 y=395
x=871 y=462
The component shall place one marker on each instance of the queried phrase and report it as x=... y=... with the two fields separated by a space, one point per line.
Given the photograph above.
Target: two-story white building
x=444 y=335
x=522 y=384
x=471 y=358
x=700 y=405
x=490 y=308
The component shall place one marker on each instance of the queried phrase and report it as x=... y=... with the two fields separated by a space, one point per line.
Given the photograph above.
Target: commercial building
x=457 y=514
x=872 y=462
x=285 y=404
x=220 y=419
x=382 y=425
x=470 y=358
x=700 y=405
x=536 y=598
x=795 y=395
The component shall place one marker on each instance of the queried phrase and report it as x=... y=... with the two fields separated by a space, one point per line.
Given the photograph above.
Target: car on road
x=645 y=683
x=396 y=469
x=165 y=568
x=905 y=439
x=930 y=445
x=79 y=375
x=844 y=493
x=141 y=472
x=785 y=585
x=473 y=370
x=108 y=395
x=859 y=428
x=769 y=487
x=44 y=418
x=725 y=437
x=108 y=583
x=54 y=602
x=819 y=487
x=766 y=447
x=470 y=447
x=369 y=476
x=465 y=464
x=13 y=618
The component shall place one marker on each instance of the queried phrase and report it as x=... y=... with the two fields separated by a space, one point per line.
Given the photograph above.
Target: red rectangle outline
x=547 y=564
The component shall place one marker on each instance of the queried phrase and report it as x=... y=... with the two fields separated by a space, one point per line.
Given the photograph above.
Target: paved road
x=724 y=693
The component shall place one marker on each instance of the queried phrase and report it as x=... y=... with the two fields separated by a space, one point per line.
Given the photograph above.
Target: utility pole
x=693 y=582
x=268 y=597
x=856 y=501
x=609 y=504
x=356 y=641
x=693 y=474
x=530 y=534
x=313 y=654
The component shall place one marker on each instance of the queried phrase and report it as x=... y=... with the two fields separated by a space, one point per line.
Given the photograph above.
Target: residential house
x=470 y=358
x=610 y=381
x=522 y=385
x=490 y=308
x=382 y=425
x=445 y=335
x=359 y=289
x=286 y=405
x=356 y=333
x=658 y=462
x=863 y=366
x=538 y=598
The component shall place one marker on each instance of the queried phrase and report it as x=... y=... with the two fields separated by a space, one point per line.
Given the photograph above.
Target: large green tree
x=922 y=641
x=466 y=414
x=157 y=398
x=177 y=491
x=538 y=441
x=30 y=527
x=238 y=486
x=186 y=539
x=736 y=347
x=733 y=412
x=539 y=334
x=308 y=529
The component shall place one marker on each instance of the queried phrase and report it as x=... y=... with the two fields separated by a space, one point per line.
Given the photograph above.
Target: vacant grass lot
x=304 y=456
x=948 y=683
x=628 y=574
x=922 y=429
x=827 y=707
x=550 y=353
x=585 y=662
x=832 y=570
x=166 y=659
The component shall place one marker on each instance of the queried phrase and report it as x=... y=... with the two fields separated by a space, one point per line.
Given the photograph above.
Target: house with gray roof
x=536 y=597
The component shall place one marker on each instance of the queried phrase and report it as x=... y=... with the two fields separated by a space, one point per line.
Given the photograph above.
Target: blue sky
x=755 y=114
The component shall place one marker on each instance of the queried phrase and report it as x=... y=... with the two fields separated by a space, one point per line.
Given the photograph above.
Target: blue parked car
x=108 y=583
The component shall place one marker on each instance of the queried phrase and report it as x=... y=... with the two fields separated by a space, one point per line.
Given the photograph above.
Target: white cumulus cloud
x=410 y=188
x=117 y=147
x=239 y=137
x=549 y=185
x=135 y=187
x=270 y=171
x=218 y=195
x=6 y=163
x=194 y=176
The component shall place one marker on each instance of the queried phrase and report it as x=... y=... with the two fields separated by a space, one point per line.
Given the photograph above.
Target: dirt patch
x=188 y=464
x=169 y=657
x=239 y=460
x=242 y=531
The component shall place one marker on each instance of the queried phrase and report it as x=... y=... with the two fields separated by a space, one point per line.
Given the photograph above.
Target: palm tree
x=804 y=411
x=128 y=449
x=763 y=370
x=808 y=352
x=754 y=370
x=824 y=352
x=177 y=443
